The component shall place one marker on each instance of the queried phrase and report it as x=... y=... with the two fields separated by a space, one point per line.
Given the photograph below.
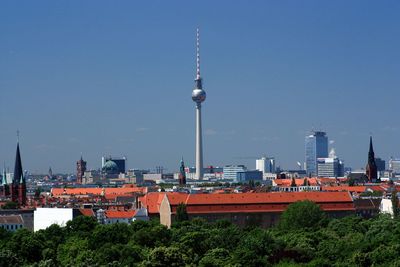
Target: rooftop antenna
x=17 y=136
x=198 y=54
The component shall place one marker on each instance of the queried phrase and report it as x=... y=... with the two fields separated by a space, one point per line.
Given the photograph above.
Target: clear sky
x=115 y=78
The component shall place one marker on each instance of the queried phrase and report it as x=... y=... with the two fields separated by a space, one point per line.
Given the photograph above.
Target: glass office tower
x=316 y=146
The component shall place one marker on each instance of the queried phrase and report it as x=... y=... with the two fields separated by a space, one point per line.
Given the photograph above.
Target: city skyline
x=116 y=80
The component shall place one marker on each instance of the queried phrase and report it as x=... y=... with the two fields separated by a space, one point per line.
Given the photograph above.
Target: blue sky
x=115 y=77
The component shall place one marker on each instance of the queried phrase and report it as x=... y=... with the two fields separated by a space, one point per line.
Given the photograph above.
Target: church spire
x=371 y=169
x=18 y=173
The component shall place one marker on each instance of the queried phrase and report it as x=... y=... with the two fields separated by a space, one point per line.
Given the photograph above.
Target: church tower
x=182 y=174
x=371 y=169
x=18 y=186
x=80 y=170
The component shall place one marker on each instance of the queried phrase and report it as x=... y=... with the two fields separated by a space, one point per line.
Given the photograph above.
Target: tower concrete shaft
x=199 y=144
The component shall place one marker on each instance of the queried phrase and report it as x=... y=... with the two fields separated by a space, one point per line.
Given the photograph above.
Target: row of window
x=11 y=226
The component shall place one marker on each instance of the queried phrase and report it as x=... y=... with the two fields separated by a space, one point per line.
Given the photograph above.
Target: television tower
x=198 y=96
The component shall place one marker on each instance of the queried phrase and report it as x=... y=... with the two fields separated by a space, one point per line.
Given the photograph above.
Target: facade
x=371 y=169
x=44 y=217
x=266 y=165
x=230 y=171
x=243 y=209
x=394 y=165
x=316 y=146
x=11 y=222
x=330 y=167
x=80 y=170
x=247 y=176
x=380 y=164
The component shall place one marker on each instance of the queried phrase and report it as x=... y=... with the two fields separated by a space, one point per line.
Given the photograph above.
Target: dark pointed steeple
x=371 y=169
x=18 y=173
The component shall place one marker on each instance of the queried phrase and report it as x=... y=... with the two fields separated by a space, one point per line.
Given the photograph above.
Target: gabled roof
x=152 y=201
x=11 y=219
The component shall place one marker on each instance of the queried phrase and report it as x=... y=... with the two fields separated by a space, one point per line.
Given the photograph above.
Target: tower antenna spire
x=198 y=54
x=17 y=136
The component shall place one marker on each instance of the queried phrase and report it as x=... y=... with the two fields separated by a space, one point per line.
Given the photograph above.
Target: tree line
x=303 y=237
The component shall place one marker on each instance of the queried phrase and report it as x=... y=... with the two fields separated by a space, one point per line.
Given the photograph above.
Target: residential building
x=11 y=222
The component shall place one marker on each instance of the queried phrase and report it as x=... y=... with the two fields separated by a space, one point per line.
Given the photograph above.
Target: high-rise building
x=316 y=146
x=330 y=167
x=231 y=171
x=380 y=164
x=371 y=169
x=266 y=165
x=394 y=165
x=80 y=170
x=198 y=96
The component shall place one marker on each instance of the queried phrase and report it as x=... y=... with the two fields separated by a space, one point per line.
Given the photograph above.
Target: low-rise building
x=242 y=209
x=11 y=222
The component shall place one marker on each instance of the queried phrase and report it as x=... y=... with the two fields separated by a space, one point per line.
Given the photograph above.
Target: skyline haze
x=102 y=78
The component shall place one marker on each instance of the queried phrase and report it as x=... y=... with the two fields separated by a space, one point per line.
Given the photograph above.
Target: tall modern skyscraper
x=316 y=146
x=198 y=96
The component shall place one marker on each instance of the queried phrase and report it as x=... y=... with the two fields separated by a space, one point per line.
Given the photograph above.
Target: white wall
x=44 y=217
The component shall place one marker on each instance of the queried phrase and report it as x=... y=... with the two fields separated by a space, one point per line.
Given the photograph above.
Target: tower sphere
x=198 y=95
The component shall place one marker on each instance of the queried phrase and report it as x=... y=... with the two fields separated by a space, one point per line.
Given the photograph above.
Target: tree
x=302 y=214
x=217 y=257
x=395 y=204
x=181 y=213
x=10 y=205
x=166 y=256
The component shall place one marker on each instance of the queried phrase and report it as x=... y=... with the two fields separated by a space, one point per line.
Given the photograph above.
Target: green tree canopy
x=302 y=214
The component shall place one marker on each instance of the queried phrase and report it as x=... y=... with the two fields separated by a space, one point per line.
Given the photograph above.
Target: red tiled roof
x=116 y=214
x=358 y=189
x=261 y=202
x=97 y=191
x=299 y=181
x=87 y=212
x=152 y=200
x=272 y=197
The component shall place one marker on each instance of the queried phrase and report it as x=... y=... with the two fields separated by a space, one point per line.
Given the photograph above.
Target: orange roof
x=261 y=202
x=152 y=201
x=87 y=212
x=97 y=191
x=116 y=214
x=358 y=189
x=299 y=181
x=271 y=197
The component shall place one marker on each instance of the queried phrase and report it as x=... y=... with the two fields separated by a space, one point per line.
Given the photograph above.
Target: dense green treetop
x=304 y=237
